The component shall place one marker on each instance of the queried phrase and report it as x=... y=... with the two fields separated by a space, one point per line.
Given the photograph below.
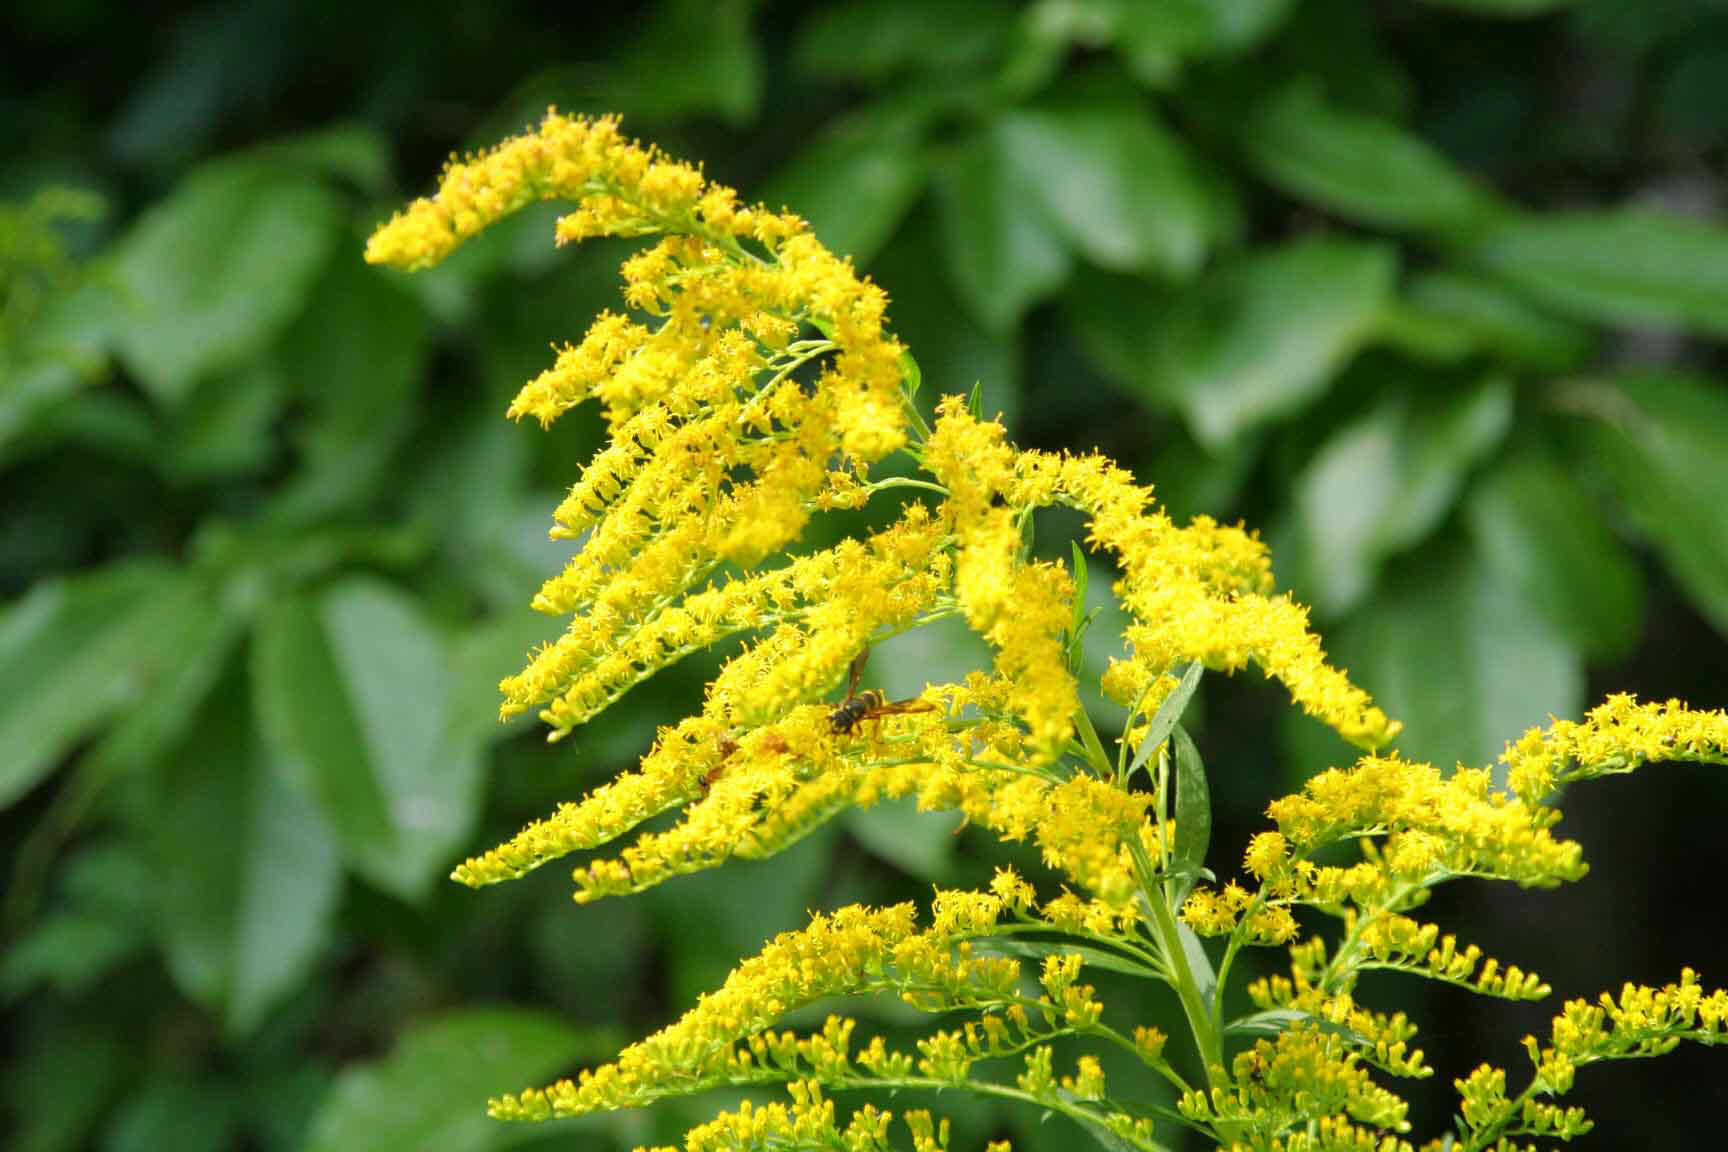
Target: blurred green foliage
x=1434 y=293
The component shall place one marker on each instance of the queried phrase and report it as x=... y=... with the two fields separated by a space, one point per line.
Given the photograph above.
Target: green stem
x=1207 y=1038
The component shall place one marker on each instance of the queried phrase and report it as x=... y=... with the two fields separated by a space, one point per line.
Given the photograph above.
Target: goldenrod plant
x=752 y=386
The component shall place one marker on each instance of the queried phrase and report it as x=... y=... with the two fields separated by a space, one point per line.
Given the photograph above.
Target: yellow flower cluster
x=1640 y=1022
x=720 y=448
x=749 y=383
x=1618 y=735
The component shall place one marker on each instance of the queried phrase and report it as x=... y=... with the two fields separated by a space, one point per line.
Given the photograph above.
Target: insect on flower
x=869 y=704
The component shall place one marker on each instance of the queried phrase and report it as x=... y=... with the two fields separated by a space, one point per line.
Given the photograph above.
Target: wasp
x=869 y=704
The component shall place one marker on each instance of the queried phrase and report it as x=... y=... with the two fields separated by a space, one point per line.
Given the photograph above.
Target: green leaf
x=1547 y=538
x=872 y=39
x=954 y=350
x=174 y=1111
x=1382 y=483
x=354 y=359
x=1660 y=439
x=856 y=182
x=691 y=58
x=1113 y=179
x=1507 y=8
x=1362 y=167
x=920 y=844
x=216 y=271
x=1193 y=812
x=248 y=874
x=103 y=916
x=351 y=697
x=1275 y=1020
x=1169 y=714
x=1629 y=267
x=226 y=425
x=430 y=1093
x=1453 y=650
x=1199 y=964
x=1097 y=958
x=1260 y=338
x=1004 y=253
x=1475 y=314
x=80 y=1058
x=75 y=653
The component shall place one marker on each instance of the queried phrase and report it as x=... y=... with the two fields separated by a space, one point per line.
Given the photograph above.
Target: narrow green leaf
x=1193 y=813
x=1275 y=1020
x=1260 y=338
x=1003 y=251
x=1199 y=964
x=1038 y=949
x=1660 y=438
x=1628 y=267
x=1364 y=168
x=214 y=272
x=1169 y=714
x=75 y=653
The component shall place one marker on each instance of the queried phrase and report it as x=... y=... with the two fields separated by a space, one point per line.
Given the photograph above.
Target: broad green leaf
x=1511 y=8
x=1114 y=180
x=691 y=58
x=81 y=1057
x=1003 y=250
x=212 y=274
x=351 y=696
x=103 y=916
x=1193 y=812
x=1382 y=483
x=195 y=659
x=247 y=872
x=226 y=425
x=920 y=844
x=175 y=1111
x=872 y=39
x=352 y=152
x=1474 y=314
x=1364 y=168
x=354 y=359
x=707 y=930
x=430 y=1093
x=1115 y=319
x=1663 y=441
x=1453 y=650
x=75 y=653
x=1547 y=538
x=1630 y=267
x=855 y=182
x=1259 y=338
